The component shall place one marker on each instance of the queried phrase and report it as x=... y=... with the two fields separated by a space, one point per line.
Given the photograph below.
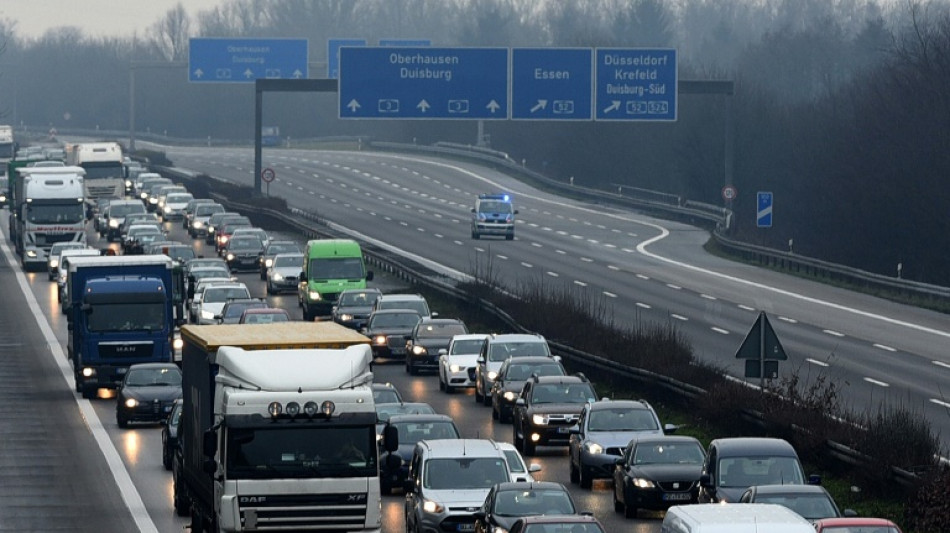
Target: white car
x=457 y=364
x=215 y=296
x=517 y=469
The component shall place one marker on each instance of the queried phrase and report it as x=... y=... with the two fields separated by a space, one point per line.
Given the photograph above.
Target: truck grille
x=304 y=512
x=118 y=350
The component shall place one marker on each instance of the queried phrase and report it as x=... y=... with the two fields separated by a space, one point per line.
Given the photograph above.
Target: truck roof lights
x=292 y=409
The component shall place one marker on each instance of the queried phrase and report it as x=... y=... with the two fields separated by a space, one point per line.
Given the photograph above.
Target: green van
x=330 y=266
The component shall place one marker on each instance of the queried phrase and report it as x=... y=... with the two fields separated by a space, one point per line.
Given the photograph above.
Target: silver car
x=284 y=273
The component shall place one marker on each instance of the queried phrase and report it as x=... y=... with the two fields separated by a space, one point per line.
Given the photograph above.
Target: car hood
x=353 y=309
x=465 y=360
x=389 y=331
x=287 y=272
x=613 y=439
x=473 y=498
x=730 y=494
x=515 y=386
x=553 y=408
x=434 y=342
x=145 y=394
x=669 y=472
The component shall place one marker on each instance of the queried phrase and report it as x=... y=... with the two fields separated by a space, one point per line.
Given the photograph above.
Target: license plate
x=465 y=527
x=120 y=370
x=676 y=496
x=564 y=430
x=168 y=408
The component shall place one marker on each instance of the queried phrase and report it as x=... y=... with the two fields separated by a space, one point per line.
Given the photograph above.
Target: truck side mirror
x=369 y=275
x=303 y=276
x=210 y=443
x=391 y=438
x=210 y=466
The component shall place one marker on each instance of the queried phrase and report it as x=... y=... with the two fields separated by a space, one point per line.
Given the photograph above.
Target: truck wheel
x=510 y=236
x=88 y=392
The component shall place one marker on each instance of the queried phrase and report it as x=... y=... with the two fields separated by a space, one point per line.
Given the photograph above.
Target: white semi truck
x=278 y=429
x=47 y=208
x=103 y=163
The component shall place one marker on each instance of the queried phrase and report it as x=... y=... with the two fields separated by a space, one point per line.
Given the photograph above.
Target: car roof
x=402 y=296
x=267 y=311
x=515 y=337
x=430 y=321
x=631 y=404
x=741 y=446
x=854 y=521
x=420 y=417
x=529 y=485
x=532 y=360
x=154 y=365
x=395 y=312
x=654 y=439
x=471 y=337
x=455 y=448
x=560 y=379
x=789 y=489
x=560 y=519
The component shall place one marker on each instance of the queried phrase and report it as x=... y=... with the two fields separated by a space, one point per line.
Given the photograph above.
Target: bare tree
x=170 y=35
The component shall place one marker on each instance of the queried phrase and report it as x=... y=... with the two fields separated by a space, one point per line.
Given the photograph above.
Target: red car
x=264 y=315
x=856 y=525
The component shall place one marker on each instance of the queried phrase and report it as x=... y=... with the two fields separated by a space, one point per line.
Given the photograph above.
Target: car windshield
x=440 y=331
x=207 y=210
x=358 y=298
x=503 y=350
x=464 y=473
x=810 y=506
x=668 y=453
x=523 y=372
x=265 y=318
x=494 y=207
x=533 y=502
x=178 y=198
x=418 y=305
x=413 y=432
x=337 y=268
x=121 y=210
x=279 y=248
x=621 y=419
x=384 y=411
x=275 y=451
x=385 y=396
x=153 y=377
x=245 y=243
x=126 y=316
x=236 y=309
x=562 y=393
x=288 y=261
x=394 y=320
x=223 y=294
x=468 y=346
x=748 y=471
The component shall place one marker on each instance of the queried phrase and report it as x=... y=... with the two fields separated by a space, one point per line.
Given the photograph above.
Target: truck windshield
x=133 y=316
x=337 y=268
x=107 y=169
x=71 y=213
x=301 y=451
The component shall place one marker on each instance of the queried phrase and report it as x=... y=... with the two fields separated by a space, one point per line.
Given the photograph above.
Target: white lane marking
x=746 y=307
x=579 y=283
x=562 y=252
x=614 y=268
x=941 y=363
x=609 y=294
x=787 y=319
x=816 y=362
x=679 y=317
x=884 y=347
x=587 y=259
x=127 y=491
x=674 y=287
x=644 y=306
x=873 y=381
x=720 y=330
x=833 y=333
x=537 y=245
x=527 y=265
x=941 y=403
x=642 y=276
x=479 y=250
x=708 y=297
x=499 y=256
x=552 y=274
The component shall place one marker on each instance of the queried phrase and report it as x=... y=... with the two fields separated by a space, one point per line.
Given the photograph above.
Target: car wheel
x=270 y=289
x=629 y=511
x=504 y=416
x=167 y=459
x=618 y=505
x=88 y=392
x=529 y=447
x=182 y=507
x=515 y=440
x=486 y=399
x=123 y=423
x=575 y=477
x=478 y=396
x=494 y=413
x=584 y=478
x=413 y=371
x=441 y=383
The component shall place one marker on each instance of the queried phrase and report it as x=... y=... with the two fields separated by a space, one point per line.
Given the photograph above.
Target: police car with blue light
x=493 y=214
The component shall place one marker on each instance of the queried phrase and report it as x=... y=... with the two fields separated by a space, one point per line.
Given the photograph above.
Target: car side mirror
x=443 y=351
x=670 y=428
x=575 y=429
x=369 y=275
x=520 y=402
x=534 y=467
x=479 y=515
x=480 y=360
x=473 y=210
x=814 y=479
x=516 y=211
x=620 y=462
x=705 y=481
x=303 y=276
x=408 y=486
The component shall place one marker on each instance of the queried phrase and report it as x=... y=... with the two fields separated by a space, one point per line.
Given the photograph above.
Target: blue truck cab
x=122 y=310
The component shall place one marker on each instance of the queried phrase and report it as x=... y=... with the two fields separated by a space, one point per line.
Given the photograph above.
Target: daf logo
x=125 y=349
x=355 y=497
x=253 y=499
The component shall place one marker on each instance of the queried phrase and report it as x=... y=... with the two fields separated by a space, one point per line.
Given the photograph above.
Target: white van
x=734 y=518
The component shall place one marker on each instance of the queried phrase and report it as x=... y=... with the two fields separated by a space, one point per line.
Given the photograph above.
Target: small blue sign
x=424 y=83
x=405 y=42
x=246 y=60
x=333 y=54
x=551 y=83
x=763 y=213
x=636 y=84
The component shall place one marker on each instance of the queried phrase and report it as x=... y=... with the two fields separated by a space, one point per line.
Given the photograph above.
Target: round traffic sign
x=729 y=193
x=268 y=175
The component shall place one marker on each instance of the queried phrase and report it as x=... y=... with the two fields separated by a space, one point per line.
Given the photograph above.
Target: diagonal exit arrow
x=542 y=104
x=614 y=105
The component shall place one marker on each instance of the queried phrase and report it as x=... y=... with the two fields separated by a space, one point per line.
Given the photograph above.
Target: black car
x=411 y=429
x=273 y=248
x=547 y=409
x=508 y=502
x=512 y=375
x=353 y=307
x=170 y=435
x=812 y=502
x=147 y=393
x=385 y=393
x=388 y=331
x=657 y=472
x=581 y=523
x=428 y=338
x=233 y=309
x=243 y=252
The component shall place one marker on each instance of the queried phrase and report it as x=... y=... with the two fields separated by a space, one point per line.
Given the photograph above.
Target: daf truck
x=47 y=207
x=121 y=310
x=278 y=429
x=105 y=171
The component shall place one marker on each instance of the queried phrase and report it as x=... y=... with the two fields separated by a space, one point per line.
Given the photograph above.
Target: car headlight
x=168 y=209
x=177 y=344
x=498 y=529
x=346 y=317
x=143 y=195
x=31 y=253
x=277 y=277
x=418 y=350
x=230 y=256
x=197 y=224
x=128 y=184
x=153 y=201
x=455 y=368
x=207 y=315
x=431 y=506
x=510 y=396
x=642 y=483
x=131 y=403
x=492 y=375
x=268 y=262
x=113 y=223
x=380 y=340
x=594 y=449
x=539 y=420
x=223 y=239
x=314 y=295
x=3 y=198
x=88 y=372
x=53 y=263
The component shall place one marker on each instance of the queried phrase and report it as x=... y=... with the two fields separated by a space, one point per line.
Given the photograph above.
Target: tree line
x=840 y=109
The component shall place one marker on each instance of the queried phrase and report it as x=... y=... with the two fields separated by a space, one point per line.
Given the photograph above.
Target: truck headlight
x=594 y=449
x=314 y=295
x=268 y=262
x=131 y=403
x=539 y=420
x=88 y=372
x=177 y=344
x=431 y=506
x=54 y=263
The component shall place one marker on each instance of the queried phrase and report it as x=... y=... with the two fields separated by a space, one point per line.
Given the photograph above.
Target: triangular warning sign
x=756 y=347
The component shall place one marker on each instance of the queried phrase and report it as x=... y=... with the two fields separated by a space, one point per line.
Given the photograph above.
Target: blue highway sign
x=246 y=60
x=551 y=83
x=636 y=84
x=333 y=54
x=405 y=42
x=423 y=83
x=763 y=212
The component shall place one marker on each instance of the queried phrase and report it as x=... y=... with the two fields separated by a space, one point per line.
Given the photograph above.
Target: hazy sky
x=114 y=18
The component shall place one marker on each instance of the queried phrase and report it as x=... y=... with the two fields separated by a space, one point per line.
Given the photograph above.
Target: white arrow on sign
x=423 y=106
x=493 y=106
x=199 y=73
x=614 y=105
x=539 y=106
x=248 y=73
x=353 y=105
x=298 y=74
